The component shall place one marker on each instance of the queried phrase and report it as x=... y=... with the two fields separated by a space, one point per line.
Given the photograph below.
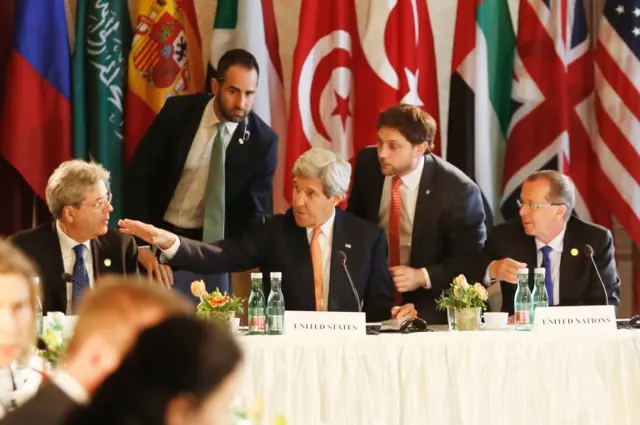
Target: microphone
x=68 y=279
x=588 y=251
x=343 y=259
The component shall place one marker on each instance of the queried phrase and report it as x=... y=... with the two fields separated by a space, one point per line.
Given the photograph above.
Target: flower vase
x=464 y=319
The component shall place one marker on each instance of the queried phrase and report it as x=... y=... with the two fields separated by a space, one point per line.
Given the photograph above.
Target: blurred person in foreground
x=18 y=300
x=183 y=371
x=109 y=320
x=78 y=243
x=305 y=244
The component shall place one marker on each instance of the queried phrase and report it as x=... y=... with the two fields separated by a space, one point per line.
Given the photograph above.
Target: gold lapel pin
x=574 y=252
x=241 y=141
x=427 y=192
x=107 y=262
x=347 y=245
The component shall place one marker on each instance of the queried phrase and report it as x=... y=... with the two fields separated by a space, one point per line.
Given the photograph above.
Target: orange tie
x=316 y=261
x=394 y=230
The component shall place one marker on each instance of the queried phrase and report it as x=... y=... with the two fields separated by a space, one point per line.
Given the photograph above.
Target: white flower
x=461 y=281
x=481 y=291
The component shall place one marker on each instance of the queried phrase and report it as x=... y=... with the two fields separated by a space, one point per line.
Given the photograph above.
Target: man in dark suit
x=305 y=244
x=109 y=320
x=431 y=211
x=78 y=246
x=548 y=236
x=205 y=167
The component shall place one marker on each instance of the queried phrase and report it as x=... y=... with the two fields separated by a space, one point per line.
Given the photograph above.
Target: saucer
x=506 y=327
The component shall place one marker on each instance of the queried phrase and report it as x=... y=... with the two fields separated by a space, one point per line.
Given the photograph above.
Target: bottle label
x=522 y=318
x=257 y=323
x=276 y=323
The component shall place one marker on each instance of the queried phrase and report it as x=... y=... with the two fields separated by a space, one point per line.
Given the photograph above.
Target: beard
x=228 y=115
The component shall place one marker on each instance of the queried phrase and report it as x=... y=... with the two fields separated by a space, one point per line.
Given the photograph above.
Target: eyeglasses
x=533 y=206
x=100 y=203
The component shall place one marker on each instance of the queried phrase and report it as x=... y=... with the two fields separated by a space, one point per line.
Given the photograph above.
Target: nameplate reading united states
x=315 y=322
x=588 y=318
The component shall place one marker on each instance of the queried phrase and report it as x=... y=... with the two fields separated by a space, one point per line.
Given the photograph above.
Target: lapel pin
x=427 y=192
x=347 y=245
x=574 y=252
x=107 y=262
x=241 y=141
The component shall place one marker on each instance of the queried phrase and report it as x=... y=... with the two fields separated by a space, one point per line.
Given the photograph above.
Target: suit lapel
x=235 y=159
x=530 y=257
x=186 y=138
x=376 y=185
x=96 y=246
x=53 y=263
x=569 y=264
x=298 y=247
x=338 y=282
x=425 y=189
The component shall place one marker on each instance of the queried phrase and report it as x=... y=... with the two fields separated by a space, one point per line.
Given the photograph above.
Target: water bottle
x=522 y=302
x=540 y=297
x=257 y=319
x=275 y=306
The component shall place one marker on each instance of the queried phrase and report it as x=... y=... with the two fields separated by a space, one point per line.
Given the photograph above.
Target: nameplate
x=589 y=318
x=314 y=322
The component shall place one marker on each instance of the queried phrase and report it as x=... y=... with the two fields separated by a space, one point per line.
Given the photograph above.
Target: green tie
x=214 y=193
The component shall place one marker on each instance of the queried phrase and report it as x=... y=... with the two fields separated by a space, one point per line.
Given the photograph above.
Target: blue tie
x=546 y=263
x=80 y=275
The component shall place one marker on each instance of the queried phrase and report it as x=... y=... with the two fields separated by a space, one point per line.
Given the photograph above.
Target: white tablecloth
x=483 y=378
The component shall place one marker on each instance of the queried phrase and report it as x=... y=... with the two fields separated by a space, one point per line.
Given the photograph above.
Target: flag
x=480 y=96
x=35 y=131
x=552 y=93
x=165 y=60
x=617 y=100
x=103 y=37
x=251 y=26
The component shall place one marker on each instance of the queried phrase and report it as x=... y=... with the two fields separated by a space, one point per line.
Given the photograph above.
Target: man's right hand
x=505 y=269
x=148 y=233
x=161 y=272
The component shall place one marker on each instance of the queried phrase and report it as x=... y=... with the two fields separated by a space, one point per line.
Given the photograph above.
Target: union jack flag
x=553 y=94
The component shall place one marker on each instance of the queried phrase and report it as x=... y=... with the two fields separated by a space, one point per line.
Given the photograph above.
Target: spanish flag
x=165 y=60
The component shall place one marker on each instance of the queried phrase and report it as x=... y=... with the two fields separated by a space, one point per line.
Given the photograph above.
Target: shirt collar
x=412 y=179
x=327 y=227
x=70 y=386
x=210 y=119
x=66 y=243
x=556 y=243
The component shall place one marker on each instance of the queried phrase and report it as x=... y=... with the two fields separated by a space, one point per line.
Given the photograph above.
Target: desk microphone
x=343 y=259
x=588 y=251
x=68 y=279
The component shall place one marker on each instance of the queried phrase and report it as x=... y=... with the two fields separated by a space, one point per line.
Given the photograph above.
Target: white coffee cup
x=495 y=320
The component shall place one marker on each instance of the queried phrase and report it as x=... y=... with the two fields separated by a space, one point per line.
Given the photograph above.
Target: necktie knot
x=220 y=128
x=79 y=249
x=397 y=182
x=317 y=231
x=546 y=250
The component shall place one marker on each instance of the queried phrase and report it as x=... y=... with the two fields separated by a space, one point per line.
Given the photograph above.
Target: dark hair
x=415 y=124
x=180 y=356
x=239 y=57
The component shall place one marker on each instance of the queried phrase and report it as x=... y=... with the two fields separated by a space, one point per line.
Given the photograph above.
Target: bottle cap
x=256 y=275
x=276 y=275
x=523 y=271
x=540 y=270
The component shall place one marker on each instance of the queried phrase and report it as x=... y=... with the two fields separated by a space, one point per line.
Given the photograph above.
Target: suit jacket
x=448 y=227
x=579 y=283
x=43 y=246
x=50 y=405
x=281 y=245
x=155 y=170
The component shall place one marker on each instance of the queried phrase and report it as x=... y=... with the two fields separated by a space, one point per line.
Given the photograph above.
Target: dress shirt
x=186 y=209
x=409 y=194
x=69 y=255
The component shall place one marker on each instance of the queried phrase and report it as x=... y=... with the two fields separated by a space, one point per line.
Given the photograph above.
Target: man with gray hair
x=548 y=235
x=307 y=244
x=78 y=246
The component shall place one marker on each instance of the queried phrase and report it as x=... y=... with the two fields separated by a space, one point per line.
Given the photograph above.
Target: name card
x=314 y=322
x=589 y=318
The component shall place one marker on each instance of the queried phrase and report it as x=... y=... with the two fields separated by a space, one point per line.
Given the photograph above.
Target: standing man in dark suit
x=78 y=244
x=305 y=244
x=432 y=212
x=547 y=235
x=205 y=167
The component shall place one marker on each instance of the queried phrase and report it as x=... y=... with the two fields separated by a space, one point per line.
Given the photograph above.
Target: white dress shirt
x=69 y=255
x=409 y=194
x=186 y=209
x=70 y=387
x=325 y=240
x=555 y=256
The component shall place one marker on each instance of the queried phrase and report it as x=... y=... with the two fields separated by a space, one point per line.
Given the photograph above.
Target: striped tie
x=394 y=230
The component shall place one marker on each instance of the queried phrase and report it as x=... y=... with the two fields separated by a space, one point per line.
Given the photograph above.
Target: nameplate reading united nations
x=315 y=322
x=588 y=318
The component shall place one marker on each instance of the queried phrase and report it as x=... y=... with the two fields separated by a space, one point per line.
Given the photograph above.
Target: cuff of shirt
x=169 y=253
x=427 y=279
x=487 y=281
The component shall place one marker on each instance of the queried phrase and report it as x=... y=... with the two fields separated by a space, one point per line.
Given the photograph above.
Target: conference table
x=445 y=378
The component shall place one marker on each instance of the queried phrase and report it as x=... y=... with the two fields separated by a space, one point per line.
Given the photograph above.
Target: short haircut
x=238 y=57
x=117 y=302
x=415 y=124
x=561 y=189
x=70 y=182
x=326 y=165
